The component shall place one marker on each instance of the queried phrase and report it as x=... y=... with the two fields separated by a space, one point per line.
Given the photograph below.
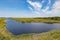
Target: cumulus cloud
x=45 y=12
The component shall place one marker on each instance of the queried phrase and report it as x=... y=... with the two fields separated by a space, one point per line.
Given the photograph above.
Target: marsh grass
x=2 y=22
x=52 y=35
x=44 y=20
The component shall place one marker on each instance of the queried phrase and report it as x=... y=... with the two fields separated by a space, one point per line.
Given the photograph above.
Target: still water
x=17 y=28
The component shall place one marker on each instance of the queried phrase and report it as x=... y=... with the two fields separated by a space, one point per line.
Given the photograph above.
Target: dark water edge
x=18 y=28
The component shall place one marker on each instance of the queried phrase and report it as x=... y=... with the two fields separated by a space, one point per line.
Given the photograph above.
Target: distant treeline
x=52 y=18
x=38 y=19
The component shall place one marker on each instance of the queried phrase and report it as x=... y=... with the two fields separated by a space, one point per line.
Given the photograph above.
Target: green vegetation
x=44 y=20
x=2 y=22
x=52 y=35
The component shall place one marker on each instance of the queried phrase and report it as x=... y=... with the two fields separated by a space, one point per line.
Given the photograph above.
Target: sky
x=29 y=8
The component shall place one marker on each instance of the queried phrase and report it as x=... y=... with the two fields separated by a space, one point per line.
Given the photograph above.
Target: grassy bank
x=2 y=22
x=52 y=35
x=44 y=20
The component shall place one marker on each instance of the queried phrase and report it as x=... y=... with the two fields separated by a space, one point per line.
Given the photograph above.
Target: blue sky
x=29 y=8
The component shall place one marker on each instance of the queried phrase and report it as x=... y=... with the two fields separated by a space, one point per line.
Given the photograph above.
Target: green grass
x=44 y=20
x=51 y=35
x=2 y=22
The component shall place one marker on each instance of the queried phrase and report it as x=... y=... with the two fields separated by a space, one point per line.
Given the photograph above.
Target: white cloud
x=56 y=10
x=36 y=5
x=30 y=8
x=45 y=12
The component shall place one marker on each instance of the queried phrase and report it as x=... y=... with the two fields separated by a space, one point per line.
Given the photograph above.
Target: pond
x=17 y=28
